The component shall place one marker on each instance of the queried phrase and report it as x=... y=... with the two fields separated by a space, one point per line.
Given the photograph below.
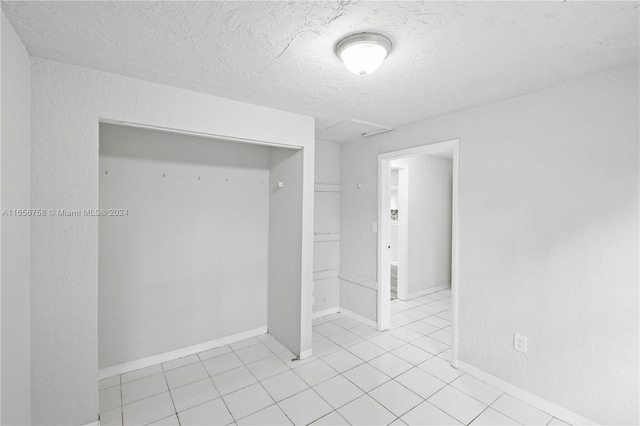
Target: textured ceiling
x=447 y=56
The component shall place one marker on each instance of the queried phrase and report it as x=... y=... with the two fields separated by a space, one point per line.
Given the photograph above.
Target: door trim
x=384 y=280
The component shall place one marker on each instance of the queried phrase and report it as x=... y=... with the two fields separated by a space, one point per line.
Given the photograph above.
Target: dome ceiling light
x=363 y=53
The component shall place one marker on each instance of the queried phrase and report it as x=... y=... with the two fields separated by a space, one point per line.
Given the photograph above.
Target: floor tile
x=305 y=407
x=338 y=391
x=185 y=375
x=395 y=397
x=397 y=422
x=270 y=416
x=148 y=410
x=210 y=413
x=436 y=322
x=441 y=369
x=318 y=321
x=267 y=367
x=109 y=398
x=222 y=363
x=412 y=354
x=422 y=328
x=327 y=329
x=143 y=388
x=428 y=414
x=366 y=377
x=244 y=343
x=420 y=382
x=457 y=404
x=253 y=353
x=247 y=401
x=446 y=355
x=390 y=364
x=275 y=346
x=141 y=373
x=445 y=315
x=211 y=353
x=342 y=360
x=520 y=411
x=442 y=336
x=324 y=347
x=315 y=372
x=387 y=341
x=109 y=382
x=233 y=380
x=477 y=389
x=180 y=362
x=334 y=317
x=430 y=345
x=331 y=419
x=491 y=417
x=284 y=385
x=345 y=338
x=415 y=313
x=366 y=411
x=406 y=334
x=557 y=422
x=111 y=417
x=401 y=319
x=366 y=350
x=364 y=331
x=346 y=322
x=194 y=394
x=292 y=361
x=167 y=421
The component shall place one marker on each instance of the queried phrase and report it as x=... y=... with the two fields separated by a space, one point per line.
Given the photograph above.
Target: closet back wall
x=189 y=263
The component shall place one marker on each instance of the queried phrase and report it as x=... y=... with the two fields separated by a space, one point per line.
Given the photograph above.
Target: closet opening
x=198 y=245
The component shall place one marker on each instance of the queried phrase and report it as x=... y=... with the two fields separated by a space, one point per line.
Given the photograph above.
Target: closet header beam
x=200 y=134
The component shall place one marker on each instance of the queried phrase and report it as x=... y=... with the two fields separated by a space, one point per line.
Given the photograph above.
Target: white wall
x=326 y=254
x=14 y=247
x=548 y=237
x=189 y=262
x=285 y=239
x=429 y=222
x=67 y=104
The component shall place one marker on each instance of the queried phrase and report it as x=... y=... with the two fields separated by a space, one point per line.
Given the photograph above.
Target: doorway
x=402 y=161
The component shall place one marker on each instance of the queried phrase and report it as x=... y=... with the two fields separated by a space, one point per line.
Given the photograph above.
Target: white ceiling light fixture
x=363 y=53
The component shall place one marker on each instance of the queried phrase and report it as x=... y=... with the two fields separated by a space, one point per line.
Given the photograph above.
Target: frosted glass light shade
x=363 y=53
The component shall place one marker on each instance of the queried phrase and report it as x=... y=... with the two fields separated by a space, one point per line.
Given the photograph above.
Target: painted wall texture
x=15 y=245
x=187 y=262
x=548 y=237
x=67 y=104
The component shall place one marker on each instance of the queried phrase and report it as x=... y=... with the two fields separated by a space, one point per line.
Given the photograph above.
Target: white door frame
x=403 y=231
x=384 y=279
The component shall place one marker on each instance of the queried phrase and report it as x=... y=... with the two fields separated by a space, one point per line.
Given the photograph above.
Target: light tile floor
x=357 y=376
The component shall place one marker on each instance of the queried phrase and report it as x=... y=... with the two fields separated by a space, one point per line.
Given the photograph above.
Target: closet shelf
x=326 y=237
x=324 y=187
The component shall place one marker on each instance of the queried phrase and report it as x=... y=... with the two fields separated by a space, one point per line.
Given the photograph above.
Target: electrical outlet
x=374 y=226
x=520 y=343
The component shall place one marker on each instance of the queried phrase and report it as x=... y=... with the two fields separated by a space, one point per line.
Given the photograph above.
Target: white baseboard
x=306 y=354
x=358 y=317
x=179 y=353
x=325 y=312
x=96 y=423
x=541 y=403
x=427 y=291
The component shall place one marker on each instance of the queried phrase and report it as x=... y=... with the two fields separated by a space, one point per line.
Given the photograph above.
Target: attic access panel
x=353 y=128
